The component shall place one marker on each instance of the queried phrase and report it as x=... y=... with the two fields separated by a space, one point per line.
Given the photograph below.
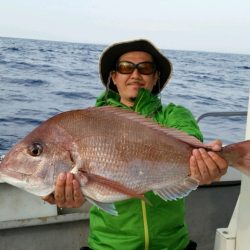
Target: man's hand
x=208 y=166
x=67 y=192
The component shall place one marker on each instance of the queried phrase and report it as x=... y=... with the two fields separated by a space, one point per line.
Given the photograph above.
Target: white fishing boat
x=214 y=219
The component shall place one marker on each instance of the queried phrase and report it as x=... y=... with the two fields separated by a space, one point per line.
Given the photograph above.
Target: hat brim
x=110 y=56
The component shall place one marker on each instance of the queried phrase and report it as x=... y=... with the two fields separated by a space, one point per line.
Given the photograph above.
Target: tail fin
x=238 y=156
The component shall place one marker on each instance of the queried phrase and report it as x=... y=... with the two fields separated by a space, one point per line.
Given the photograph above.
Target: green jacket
x=140 y=226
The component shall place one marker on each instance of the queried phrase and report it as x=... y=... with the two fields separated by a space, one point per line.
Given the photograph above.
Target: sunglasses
x=144 y=68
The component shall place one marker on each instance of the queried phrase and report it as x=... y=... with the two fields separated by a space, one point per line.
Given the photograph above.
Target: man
x=134 y=72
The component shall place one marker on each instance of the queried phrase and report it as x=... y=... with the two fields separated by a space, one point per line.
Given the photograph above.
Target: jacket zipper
x=145 y=224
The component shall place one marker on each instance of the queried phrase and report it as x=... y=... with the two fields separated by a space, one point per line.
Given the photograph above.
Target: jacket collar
x=145 y=103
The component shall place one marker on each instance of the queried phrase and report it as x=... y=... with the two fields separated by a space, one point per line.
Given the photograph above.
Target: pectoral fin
x=107 y=207
x=179 y=190
x=116 y=186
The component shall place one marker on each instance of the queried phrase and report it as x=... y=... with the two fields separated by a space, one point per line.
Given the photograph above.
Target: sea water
x=39 y=79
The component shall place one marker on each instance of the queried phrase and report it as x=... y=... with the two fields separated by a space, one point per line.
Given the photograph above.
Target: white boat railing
x=232 y=176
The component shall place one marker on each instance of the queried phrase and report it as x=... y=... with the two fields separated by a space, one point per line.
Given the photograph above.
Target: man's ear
x=157 y=77
x=113 y=76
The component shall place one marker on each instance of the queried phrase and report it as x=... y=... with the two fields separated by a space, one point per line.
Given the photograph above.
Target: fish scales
x=125 y=151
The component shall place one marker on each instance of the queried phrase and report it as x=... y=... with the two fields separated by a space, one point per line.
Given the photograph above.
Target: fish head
x=34 y=163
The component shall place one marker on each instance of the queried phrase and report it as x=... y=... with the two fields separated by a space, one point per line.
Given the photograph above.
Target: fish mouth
x=38 y=189
x=6 y=174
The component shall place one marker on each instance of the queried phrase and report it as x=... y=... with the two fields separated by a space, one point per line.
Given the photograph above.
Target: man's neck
x=128 y=102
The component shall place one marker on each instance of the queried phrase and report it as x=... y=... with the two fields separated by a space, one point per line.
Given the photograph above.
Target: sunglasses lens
x=125 y=67
x=145 y=68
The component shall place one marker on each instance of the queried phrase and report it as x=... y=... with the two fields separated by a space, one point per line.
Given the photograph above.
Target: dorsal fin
x=135 y=117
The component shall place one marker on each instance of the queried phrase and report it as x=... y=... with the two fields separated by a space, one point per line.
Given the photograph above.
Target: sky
x=200 y=25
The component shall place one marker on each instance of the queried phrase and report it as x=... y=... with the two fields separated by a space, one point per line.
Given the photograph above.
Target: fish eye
x=36 y=149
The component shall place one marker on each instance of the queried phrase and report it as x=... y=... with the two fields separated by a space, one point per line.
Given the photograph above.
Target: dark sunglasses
x=144 y=68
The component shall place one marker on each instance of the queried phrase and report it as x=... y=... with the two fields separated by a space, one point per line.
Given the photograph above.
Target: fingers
x=73 y=194
x=49 y=198
x=194 y=169
x=216 y=145
x=69 y=196
x=60 y=190
x=207 y=166
x=222 y=164
x=67 y=192
x=201 y=165
x=78 y=196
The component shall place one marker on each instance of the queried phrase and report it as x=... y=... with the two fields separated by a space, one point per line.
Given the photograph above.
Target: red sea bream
x=114 y=153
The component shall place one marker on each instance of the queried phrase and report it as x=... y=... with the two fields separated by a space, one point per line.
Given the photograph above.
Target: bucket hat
x=112 y=53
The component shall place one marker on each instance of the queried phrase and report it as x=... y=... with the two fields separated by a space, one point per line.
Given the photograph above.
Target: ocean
x=39 y=79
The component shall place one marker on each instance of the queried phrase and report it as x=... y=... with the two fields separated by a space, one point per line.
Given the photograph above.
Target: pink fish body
x=115 y=154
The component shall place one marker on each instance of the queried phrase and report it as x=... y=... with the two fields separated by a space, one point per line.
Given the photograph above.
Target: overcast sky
x=207 y=25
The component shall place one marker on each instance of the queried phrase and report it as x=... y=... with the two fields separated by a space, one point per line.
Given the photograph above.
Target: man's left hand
x=208 y=166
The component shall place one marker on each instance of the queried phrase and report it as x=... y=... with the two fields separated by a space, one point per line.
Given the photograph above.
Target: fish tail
x=238 y=156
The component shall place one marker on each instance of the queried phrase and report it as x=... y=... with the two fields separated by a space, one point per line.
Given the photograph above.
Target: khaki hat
x=111 y=54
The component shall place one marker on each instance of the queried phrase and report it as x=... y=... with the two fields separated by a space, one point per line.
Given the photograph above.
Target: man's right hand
x=67 y=192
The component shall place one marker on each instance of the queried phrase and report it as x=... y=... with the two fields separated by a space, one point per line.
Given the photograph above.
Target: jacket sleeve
x=180 y=118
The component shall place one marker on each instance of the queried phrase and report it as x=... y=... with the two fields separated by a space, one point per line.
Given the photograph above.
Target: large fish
x=115 y=154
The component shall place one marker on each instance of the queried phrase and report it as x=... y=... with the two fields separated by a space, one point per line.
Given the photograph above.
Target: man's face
x=128 y=85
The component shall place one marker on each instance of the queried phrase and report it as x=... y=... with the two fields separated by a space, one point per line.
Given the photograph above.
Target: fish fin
x=80 y=176
x=147 y=201
x=114 y=185
x=148 y=122
x=178 y=190
x=184 y=137
x=238 y=155
x=107 y=207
